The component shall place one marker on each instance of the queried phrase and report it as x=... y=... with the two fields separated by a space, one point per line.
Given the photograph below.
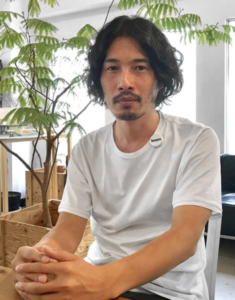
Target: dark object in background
x=22 y=202
x=13 y=201
x=227 y=163
x=228 y=194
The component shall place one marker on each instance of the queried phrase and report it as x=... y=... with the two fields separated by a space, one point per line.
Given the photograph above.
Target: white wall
x=211 y=66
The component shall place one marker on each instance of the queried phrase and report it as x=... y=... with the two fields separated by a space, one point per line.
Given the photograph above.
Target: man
x=149 y=182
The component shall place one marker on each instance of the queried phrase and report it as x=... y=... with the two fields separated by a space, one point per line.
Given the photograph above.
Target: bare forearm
x=151 y=262
x=53 y=240
x=67 y=234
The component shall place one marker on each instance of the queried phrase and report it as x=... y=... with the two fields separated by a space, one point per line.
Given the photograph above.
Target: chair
x=212 y=252
x=218 y=227
x=228 y=195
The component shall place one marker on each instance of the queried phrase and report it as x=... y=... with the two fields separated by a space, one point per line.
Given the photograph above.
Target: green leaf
x=47 y=40
x=7 y=15
x=38 y=118
x=58 y=80
x=9 y=85
x=8 y=116
x=9 y=71
x=34 y=8
x=87 y=31
x=77 y=42
x=40 y=27
x=73 y=125
x=142 y=9
x=191 y=20
x=13 y=61
x=227 y=29
x=21 y=98
x=45 y=83
x=38 y=52
x=52 y=3
x=9 y=38
x=62 y=105
x=40 y=72
x=127 y=4
x=156 y=11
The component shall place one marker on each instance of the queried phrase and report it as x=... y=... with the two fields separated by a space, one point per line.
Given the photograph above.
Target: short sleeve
x=77 y=193
x=198 y=180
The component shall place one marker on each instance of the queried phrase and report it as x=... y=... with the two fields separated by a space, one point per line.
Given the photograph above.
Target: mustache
x=124 y=93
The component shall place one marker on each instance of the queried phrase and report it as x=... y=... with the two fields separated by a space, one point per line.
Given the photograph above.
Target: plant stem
x=65 y=127
x=108 y=12
x=23 y=162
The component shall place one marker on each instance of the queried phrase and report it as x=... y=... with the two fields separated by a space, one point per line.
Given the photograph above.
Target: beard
x=128 y=116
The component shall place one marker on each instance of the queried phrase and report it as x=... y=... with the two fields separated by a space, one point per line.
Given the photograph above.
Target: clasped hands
x=47 y=274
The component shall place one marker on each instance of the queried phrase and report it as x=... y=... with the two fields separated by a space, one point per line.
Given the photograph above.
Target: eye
x=112 y=68
x=140 y=68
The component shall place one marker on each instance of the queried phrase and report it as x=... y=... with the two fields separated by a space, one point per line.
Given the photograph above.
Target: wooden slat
x=18 y=229
x=33 y=190
x=1 y=243
x=69 y=147
x=18 y=234
x=0 y=180
x=4 y=180
x=54 y=173
x=28 y=181
x=30 y=215
x=61 y=184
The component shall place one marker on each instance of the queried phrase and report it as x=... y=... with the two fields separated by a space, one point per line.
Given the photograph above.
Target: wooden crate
x=24 y=227
x=33 y=191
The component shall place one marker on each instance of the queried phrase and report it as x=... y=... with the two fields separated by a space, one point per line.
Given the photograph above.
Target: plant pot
x=24 y=227
x=13 y=201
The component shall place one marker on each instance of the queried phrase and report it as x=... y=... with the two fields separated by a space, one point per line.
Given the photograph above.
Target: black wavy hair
x=165 y=60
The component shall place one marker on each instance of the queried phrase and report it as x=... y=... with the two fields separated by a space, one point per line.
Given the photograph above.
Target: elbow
x=191 y=251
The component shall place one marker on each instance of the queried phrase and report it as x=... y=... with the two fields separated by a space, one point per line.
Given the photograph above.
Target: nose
x=125 y=81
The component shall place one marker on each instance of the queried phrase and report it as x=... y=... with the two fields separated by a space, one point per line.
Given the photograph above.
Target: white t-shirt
x=129 y=197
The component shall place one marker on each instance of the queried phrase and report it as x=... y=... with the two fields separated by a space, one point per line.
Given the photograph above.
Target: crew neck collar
x=140 y=151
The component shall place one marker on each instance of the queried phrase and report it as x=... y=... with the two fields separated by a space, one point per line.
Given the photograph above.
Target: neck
x=130 y=136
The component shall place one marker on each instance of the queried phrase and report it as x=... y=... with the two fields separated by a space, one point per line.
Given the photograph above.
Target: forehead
x=125 y=48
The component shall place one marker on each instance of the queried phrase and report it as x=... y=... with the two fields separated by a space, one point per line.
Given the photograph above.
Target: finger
x=35 y=288
x=59 y=255
x=22 y=295
x=49 y=296
x=20 y=277
x=53 y=260
x=35 y=277
x=32 y=254
x=38 y=268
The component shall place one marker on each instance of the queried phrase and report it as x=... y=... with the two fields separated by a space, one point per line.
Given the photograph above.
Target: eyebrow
x=137 y=60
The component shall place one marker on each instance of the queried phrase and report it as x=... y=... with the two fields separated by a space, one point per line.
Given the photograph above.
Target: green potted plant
x=41 y=95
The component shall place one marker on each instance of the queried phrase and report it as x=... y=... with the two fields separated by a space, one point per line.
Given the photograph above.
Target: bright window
x=230 y=96
x=184 y=103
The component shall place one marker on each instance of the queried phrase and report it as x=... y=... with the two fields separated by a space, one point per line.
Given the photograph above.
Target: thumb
x=58 y=254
